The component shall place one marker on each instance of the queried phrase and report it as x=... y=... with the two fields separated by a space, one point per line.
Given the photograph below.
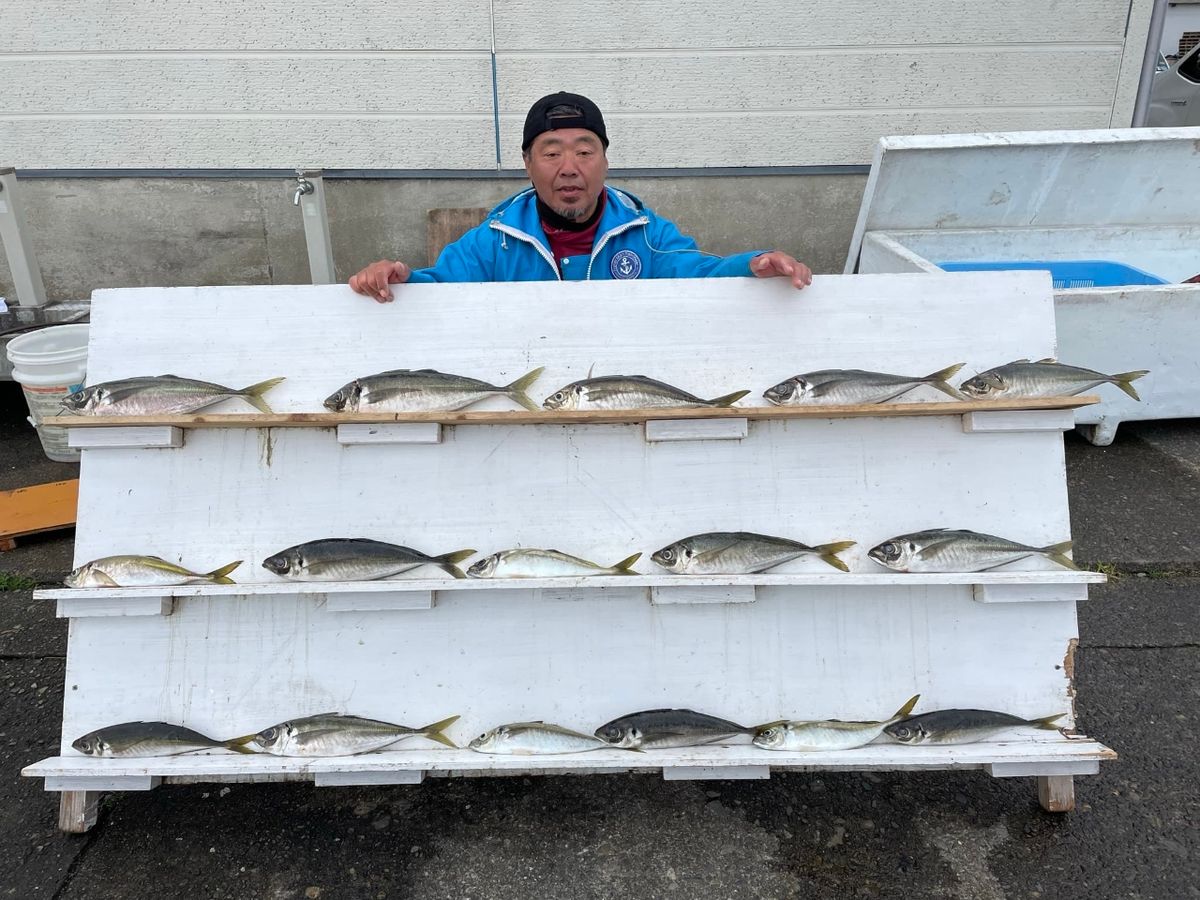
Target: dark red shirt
x=568 y=238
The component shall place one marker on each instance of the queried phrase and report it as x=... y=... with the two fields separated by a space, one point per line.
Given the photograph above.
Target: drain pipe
x=1141 y=106
x=14 y=234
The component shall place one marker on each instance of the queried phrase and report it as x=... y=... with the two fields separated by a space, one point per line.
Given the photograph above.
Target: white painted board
x=233 y=664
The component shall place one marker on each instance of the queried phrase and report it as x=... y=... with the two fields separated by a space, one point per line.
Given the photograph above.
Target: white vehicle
x=1175 y=92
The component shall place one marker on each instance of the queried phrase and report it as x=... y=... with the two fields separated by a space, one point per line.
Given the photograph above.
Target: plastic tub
x=49 y=364
x=1067 y=273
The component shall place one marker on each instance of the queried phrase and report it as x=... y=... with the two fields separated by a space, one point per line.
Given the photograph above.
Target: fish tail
x=1058 y=553
x=625 y=566
x=1047 y=722
x=217 y=576
x=434 y=731
x=728 y=399
x=827 y=552
x=517 y=389
x=906 y=708
x=238 y=744
x=1122 y=380
x=253 y=394
x=940 y=380
x=449 y=561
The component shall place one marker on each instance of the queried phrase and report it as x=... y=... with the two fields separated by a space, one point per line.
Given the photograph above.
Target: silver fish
x=829 y=734
x=161 y=395
x=961 y=726
x=424 y=390
x=136 y=571
x=139 y=739
x=959 y=550
x=356 y=559
x=534 y=563
x=740 y=552
x=658 y=729
x=832 y=387
x=533 y=738
x=332 y=734
x=1044 y=378
x=630 y=392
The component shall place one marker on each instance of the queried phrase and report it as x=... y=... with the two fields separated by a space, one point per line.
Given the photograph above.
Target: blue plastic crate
x=1067 y=273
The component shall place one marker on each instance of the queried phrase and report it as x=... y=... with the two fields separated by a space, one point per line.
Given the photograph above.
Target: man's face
x=567 y=167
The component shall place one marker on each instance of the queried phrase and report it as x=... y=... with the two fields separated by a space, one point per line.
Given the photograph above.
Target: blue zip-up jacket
x=631 y=242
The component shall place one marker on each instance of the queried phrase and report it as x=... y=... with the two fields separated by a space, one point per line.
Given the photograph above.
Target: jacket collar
x=520 y=212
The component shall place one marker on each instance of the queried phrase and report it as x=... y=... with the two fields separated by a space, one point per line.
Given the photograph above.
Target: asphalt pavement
x=871 y=835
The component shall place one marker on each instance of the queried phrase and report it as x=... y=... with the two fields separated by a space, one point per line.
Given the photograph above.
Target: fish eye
x=560 y=396
x=889 y=549
x=668 y=555
x=270 y=734
x=903 y=732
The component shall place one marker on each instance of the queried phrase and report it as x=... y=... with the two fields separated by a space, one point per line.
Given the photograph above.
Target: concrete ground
x=945 y=835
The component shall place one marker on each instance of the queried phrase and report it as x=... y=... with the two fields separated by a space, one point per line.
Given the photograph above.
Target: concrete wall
x=93 y=233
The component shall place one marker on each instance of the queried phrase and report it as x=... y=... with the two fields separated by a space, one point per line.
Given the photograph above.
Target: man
x=570 y=226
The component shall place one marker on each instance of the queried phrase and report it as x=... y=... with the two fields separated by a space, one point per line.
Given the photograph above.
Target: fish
x=959 y=550
x=425 y=390
x=740 y=552
x=1044 y=378
x=827 y=734
x=961 y=726
x=534 y=563
x=139 y=571
x=533 y=738
x=334 y=734
x=356 y=559
x=831 y=387
x=160 y=395
x=630 y=392
x=137 y=739
x=658 y=729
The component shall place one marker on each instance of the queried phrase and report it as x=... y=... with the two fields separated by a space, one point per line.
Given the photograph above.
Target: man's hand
x=373 y=281
x=778 y=264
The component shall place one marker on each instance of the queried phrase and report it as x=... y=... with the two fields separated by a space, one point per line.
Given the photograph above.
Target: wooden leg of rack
x=1056 y=793
x=77 y=811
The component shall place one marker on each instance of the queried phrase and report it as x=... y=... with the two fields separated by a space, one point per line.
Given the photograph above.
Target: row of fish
x=333 y=734
x=712 y=553
x=427 y=390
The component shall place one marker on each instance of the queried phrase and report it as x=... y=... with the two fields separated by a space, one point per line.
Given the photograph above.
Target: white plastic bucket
x=49 y=364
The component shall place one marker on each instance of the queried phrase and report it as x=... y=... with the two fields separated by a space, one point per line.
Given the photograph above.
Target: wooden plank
x=162 y=436
x=716 y=773
x=396 y=433
x=445 y=226
x=669 y=594
x=1056 y=793
x=990 y=422
x=349 y=779
x=42 y=507
x=572 y=417
x=873 y=757
x=730 y=428
x=1030 y=593
x=116 y=604
x=77 y=811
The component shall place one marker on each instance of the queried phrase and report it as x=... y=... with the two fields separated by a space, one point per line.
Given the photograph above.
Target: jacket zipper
x=545 y=254
x=620 y=229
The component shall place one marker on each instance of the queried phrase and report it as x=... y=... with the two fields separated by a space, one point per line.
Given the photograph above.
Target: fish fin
x=517 y=389
x=1122 y=380
x=728 y=399
x=105 y=579
x=1047 y=361
x=448 y=561
x=758 y=729
x=625 y=566
x=217 y=576
x=1057 y=553
x=1047 y=722
x=591 y=369
x=253 y=394
x=906 y=708
x=434 y=731
x=827 y=551
x=234 y=743
x=1023 y=359
x=940 y=380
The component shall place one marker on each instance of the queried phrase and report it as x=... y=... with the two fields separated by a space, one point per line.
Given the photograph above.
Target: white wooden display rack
x=799 y=641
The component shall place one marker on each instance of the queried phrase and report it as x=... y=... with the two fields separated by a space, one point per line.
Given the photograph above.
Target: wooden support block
x=126 y=782
x=42 y=507
x=698 y=593
x=697 y=429
x=445 y=226
x=125 y=437
x=372 y=602
x=77 y=811
x=1041 y=768
x=396 y=433
x=1017 y=420
x=1028 y=593
x=351 y=779
x=716 y=773
x=1056 y=793
x=81 y=607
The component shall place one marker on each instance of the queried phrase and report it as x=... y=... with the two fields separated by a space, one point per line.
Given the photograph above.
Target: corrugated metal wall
x=388 y=85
